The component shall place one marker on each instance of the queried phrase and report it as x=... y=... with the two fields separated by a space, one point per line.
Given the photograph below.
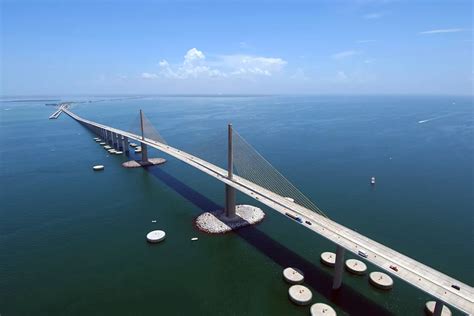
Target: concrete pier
x=143 y=145
x=144 y=152
x=338 y=268
x=109 y=138
x=126 y=148
x=120 y=142
x=114 y=140
x=229 y=191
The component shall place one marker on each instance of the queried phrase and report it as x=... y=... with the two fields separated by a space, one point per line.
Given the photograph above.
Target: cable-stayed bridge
x=257 y=178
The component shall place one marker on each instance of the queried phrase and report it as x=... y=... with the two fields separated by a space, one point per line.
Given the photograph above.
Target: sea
x=72 y=241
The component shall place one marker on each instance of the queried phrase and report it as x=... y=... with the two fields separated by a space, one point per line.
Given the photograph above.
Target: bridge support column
x=143 y=145
x=438 y=308
x=116 y=140
x=125 y=144
x=120 y=142
x=338 y=268
x=229 y=191
x=109 y=138
x=144 y=152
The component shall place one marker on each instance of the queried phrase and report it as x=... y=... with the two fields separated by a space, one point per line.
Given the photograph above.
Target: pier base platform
x=216 y=222
x=139 y=163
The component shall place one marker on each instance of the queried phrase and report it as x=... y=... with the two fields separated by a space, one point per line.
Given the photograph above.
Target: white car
x=362 y=253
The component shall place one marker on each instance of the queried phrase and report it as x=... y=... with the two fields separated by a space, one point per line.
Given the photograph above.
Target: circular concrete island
x=216 y=222
x=300 y=294
x=328 y=258
x=98 y=167
x=155 y=236
x=293 y=275
x=430 y=307
x=356 y=266
x=320 y=309
x=381 y=280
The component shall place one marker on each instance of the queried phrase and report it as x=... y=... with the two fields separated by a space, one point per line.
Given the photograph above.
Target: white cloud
x=344 y=54
x=439 y=31
x=193 y=55
x=256 y=65
x=196 y=65
x=373 y=15
x=163 y=63
x=147 y=75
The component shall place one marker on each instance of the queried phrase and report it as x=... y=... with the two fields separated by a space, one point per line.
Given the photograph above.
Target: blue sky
x=267 y=47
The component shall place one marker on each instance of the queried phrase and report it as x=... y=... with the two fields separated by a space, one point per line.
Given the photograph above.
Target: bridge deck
x=419 y=275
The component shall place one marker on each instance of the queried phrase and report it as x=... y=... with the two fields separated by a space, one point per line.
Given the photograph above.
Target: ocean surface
x=72 y=241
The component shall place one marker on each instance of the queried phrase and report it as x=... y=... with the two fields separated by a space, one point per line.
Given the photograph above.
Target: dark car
x=454 y=286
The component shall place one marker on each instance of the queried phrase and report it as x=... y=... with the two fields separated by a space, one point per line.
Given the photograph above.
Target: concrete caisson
x=293 y=275
x=321 y=309
x=380 y=280
x=155 y=236
x=356 y=266
x=328 y=258
x=300 y=294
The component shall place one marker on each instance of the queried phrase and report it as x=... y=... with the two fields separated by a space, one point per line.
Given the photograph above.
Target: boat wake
x=436 y=118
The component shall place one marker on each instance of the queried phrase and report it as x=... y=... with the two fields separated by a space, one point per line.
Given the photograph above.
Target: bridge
x=277 y=193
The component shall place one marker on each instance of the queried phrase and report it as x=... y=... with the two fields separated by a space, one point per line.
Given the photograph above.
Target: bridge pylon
x=143 y=145
x=229 y=191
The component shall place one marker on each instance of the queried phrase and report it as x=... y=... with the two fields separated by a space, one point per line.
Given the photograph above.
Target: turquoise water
x=73 y=241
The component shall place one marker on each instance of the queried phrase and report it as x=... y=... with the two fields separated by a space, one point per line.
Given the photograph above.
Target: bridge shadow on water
x=345 y=298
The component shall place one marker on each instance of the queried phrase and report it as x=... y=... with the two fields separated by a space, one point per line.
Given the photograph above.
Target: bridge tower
x=143 y=145
x=229 y=191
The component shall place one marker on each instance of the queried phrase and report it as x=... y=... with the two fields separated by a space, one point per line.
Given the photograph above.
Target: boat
x=372 y=180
